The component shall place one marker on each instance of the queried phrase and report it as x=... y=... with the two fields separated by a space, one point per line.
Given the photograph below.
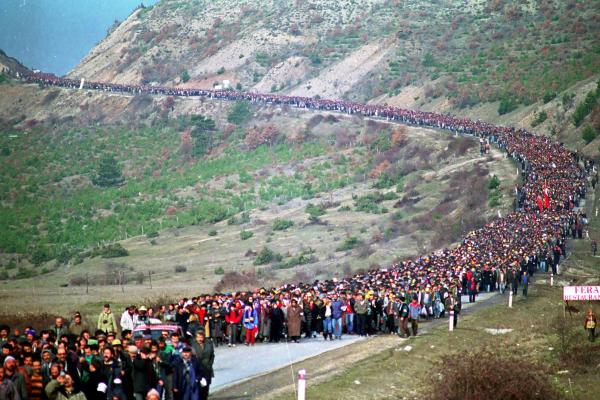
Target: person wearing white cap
x=7 y=389
x=11 y=373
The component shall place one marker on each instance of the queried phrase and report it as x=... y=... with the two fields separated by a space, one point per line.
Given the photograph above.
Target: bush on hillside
x=588 y=134
x=489 y=375
x=282 y=224
x=267 y=256
x=239 y=113
x=507 y=104
x=112 y=251
x=245 y=235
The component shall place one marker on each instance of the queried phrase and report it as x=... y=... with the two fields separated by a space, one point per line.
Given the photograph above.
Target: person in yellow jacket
x=106 y=320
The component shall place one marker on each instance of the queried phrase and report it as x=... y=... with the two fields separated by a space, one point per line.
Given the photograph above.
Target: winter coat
x=144 y=376
x=205 y=355
x=294 y=320
x=250 y=319
x=336 y=309
x=188 y=389
x=106 y=322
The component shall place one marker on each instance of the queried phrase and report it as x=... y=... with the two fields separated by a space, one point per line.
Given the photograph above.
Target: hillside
x=408 y=53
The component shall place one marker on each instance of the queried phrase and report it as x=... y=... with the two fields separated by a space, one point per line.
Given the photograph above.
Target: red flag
x=540 y=203
x=546 y=196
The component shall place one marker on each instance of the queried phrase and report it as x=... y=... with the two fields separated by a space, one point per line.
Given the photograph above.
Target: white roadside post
x=551 y=279
x=510 y=295
x=451 y=321
x=302 y=384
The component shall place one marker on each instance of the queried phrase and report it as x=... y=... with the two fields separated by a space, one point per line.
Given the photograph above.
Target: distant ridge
x=12 y=64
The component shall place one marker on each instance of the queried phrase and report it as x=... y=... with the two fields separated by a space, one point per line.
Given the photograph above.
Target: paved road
x=234 y=365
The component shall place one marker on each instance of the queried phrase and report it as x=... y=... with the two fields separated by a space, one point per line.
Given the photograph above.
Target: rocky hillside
x=409 y=53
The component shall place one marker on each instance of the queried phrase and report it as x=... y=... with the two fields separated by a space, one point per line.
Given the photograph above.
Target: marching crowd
x=107 y=361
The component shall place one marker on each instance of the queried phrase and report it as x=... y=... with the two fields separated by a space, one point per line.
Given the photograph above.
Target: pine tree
x=108 y=173
x=202 y=133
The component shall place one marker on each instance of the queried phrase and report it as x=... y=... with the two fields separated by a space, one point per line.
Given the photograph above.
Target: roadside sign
x=582 y=293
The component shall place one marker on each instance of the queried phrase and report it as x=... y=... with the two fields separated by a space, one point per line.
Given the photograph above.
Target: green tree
x=202 y=133
x=239 y=113
x=108 y=172
x=589 y=133
x=314 y=211
x=185 y=76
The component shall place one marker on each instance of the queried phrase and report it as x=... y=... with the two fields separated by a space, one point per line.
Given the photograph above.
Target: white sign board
x=581 y=293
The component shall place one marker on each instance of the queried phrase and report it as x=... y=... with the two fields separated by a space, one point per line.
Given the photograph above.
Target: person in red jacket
x=233 y=319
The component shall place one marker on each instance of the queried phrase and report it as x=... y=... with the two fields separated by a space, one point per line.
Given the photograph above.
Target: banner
x=571 y=293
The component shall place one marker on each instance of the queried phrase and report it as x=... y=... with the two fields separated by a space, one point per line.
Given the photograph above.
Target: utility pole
x=150 y=278
x=87 y=283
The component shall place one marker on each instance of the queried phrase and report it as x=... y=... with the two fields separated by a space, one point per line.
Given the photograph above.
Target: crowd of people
x=106 y=361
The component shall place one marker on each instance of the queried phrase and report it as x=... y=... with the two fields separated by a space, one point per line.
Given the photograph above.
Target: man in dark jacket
x=189 y=377
x=144 y=376
x=204 y=352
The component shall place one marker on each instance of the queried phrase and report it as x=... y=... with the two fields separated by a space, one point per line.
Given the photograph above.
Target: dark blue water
x=54 y=35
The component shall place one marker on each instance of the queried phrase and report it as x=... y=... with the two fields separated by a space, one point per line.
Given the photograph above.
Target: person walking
x=589 y=324
x=250 y=321
x=233 y=318
x=525 y=283
x=414 y=310
x=204 y=351
x=326 y=317
x=106 y=320
x=361 y=307
x=189 y=377
x=336 y=315
x=403 y=313
x=294 y=320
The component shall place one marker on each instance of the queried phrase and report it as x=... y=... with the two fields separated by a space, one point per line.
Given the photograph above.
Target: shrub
x=113 y=250
x=219 y=271
x=151 y=235
x=494 y=183
x=549 y=96
x=267 y=256
x=588 y=134
x=212 y=232
x=305 y=257
x=185 y=76
x=180 y=268
x=585 y=107
x=245 y=235
x=139 y=278
x=350 y=243
x=539 y=118
x=282 y=224
x=507 y=104
x=237 y=281
x=221 y=71
x=486 y=374
x=239 y=113
x=314 y=211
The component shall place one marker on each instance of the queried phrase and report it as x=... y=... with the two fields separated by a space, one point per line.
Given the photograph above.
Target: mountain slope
x=478 y=52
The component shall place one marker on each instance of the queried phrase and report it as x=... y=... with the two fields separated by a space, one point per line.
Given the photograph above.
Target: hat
x=77 y=314
x=142 y=308
x=8 y=358
x=117 y=342
x=187 y=349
